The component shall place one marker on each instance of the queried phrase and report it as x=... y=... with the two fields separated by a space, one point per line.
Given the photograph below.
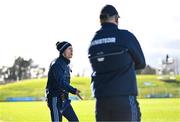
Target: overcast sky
x=30 y=28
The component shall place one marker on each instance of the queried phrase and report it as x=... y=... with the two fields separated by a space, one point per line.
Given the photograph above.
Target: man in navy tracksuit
x=114 y=55
x=58 y=85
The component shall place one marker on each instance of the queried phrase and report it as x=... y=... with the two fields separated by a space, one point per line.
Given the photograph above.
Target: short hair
x=108 y=12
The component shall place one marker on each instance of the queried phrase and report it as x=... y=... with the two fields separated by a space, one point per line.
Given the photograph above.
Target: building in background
x=168 y=69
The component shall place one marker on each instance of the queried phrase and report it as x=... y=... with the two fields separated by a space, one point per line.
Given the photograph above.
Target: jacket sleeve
x=59 y=76
x=136 y=52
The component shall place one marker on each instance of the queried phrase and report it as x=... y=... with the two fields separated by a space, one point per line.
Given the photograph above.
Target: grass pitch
x=153 y=110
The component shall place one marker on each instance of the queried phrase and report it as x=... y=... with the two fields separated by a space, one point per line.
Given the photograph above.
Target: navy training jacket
x=59 y=78
x=114 y=55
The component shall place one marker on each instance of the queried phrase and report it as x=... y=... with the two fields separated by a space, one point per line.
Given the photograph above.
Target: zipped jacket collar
x=67 y=61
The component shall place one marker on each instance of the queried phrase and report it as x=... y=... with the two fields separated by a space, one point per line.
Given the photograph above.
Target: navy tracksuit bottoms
x=119 y=108
x=58 y=108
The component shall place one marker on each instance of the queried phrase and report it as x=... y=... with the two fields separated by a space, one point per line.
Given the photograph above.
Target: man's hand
x=77 y=93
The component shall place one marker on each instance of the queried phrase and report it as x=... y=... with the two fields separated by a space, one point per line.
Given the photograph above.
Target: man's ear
x=116 y=20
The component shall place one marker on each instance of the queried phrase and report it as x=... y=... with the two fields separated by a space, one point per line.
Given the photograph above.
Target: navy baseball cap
x=108 y=10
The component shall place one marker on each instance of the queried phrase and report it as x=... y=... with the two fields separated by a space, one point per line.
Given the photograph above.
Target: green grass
x=35 y=87
x=158 y=110
x=157 y=86
x=26 y=88
x=153 y=110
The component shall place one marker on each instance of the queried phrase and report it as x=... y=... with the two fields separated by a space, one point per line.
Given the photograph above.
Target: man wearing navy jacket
x=114 y=55
x=58 y=85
